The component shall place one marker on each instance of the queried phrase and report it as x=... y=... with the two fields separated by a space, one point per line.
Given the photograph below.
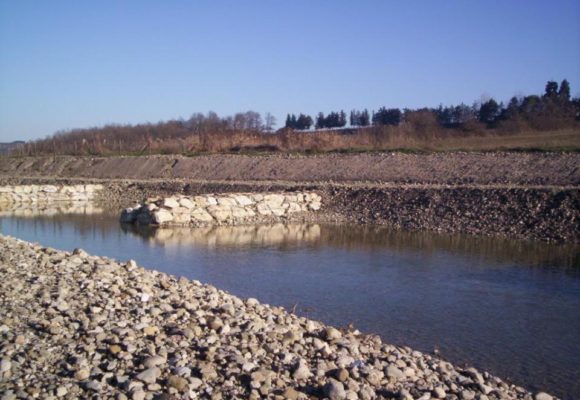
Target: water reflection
x=50 y=209
x=364 y=238
x=228 y=236
x=88 y=218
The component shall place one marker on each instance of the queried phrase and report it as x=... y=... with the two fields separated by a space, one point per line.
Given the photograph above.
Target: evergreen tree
x=564 y=92
x=341 y=119
x=303 y=122
x=551 y=89
x=489 y=111
x=387 y=116
x=320 y=121
x=364 y=119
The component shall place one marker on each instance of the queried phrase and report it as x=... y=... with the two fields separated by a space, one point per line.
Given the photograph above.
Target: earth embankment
x=515 y=195
x=435 y=168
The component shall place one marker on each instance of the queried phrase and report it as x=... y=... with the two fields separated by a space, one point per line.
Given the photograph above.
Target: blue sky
x=73 y=64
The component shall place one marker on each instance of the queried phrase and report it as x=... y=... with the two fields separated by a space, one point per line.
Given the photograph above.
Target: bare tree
x=270 y=122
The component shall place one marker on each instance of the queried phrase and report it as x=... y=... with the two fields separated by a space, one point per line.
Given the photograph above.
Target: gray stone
x=467 y=395
x=154 y=361
x=439 y=392
x=150 y=375
x=301 y=371
x=94 y=386
x=5 y=365
x=177 y=382
x=82 y=374
x=331 y=334
x=334 y=390
x=393 y=372
x=138 y=395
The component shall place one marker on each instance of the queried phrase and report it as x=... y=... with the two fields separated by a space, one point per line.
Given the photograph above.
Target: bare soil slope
x=437 y=168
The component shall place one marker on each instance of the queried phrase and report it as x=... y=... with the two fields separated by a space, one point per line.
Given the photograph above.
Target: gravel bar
x=73 y=325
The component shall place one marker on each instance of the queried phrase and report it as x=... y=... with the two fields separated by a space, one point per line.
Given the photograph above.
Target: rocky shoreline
x=74 y=325
x=546 y=213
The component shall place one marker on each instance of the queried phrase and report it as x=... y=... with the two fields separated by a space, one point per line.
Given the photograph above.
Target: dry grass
x=565 y=140
x=369 y=140
x=384 y=138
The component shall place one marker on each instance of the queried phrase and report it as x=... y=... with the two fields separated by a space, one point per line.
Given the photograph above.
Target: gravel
x=110 y=344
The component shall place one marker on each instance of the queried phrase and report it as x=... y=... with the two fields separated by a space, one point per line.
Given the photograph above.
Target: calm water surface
x=509 y=307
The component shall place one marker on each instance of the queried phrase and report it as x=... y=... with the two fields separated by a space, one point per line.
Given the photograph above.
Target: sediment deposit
x=74 y=325
x=225 y=209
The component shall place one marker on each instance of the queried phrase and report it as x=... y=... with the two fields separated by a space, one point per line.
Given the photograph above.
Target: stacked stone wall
x=224 y=209
x=16 y=194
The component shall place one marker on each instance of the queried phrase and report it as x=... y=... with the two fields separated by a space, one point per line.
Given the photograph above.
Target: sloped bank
x=79 y=326
x=548 y=214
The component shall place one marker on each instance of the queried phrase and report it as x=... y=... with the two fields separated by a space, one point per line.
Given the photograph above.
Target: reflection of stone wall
x=46 y=209
x=224 y=209
x=47 y=193
x=245 y=235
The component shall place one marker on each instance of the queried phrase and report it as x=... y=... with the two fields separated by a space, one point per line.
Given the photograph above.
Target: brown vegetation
x=548 y=122
x=117 y=142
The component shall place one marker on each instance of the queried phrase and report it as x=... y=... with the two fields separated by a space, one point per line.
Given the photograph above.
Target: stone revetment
x=48 y=193
x=223 y=209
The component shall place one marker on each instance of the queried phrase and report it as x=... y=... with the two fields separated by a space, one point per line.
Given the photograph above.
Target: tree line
x=554 y=109
x=539 y=111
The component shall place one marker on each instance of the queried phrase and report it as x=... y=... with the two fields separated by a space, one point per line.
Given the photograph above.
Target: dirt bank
x=437 y=168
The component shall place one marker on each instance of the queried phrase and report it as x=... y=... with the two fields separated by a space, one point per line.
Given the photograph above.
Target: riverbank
x=546 y=213
x=514 y=195
x=75 y=325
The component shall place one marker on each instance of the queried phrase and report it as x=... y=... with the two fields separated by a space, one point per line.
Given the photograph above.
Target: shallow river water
x=508 y=307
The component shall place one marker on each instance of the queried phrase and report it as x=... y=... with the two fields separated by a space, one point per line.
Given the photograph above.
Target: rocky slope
x=79 y=326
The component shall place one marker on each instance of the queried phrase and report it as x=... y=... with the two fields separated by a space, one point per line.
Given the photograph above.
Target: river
x=509 y=307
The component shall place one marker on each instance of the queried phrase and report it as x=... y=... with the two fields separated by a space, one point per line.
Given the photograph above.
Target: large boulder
x=128 y=215
x=161 y=216
x=201 y=215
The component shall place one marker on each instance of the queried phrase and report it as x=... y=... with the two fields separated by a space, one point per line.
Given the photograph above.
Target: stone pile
x=222 y=209
x=75 y=326
x=48 y=193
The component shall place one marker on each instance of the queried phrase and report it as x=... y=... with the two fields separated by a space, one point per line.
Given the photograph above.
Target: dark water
x=508 y=307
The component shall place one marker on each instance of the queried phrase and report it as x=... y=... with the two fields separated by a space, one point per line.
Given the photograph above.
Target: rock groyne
x=74 y=325
x=223 y=209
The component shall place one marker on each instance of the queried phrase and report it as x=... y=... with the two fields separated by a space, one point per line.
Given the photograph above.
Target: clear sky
x=73 y=64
